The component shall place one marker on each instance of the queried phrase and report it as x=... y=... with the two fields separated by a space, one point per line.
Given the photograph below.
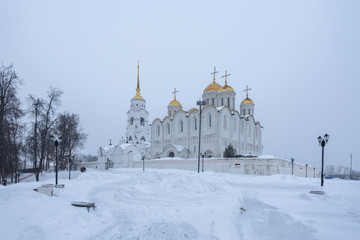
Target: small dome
x=247 y=101
x=174 y=103
x=138 y=96
x=213 y=87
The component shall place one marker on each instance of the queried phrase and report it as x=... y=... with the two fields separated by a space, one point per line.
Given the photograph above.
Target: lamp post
x=203 y=156
x=56 y=143
x=306 y=165
x=200 y=103
x=292 y=166
x=350 y=165
x=143 y=159
x=70 y=162
x=322 y=142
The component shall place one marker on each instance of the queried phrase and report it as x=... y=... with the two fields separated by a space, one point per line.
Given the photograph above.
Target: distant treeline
x=28 y=130
x=342 y=172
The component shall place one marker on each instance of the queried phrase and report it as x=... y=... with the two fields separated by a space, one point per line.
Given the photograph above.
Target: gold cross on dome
x=247 y=90
x=225 y=76
x=174 y=92
x=215 y=72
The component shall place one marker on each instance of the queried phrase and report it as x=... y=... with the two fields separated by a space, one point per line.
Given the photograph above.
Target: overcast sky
x=301 y=59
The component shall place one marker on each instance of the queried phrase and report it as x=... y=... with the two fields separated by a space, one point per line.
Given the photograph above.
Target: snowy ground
x=175 y=204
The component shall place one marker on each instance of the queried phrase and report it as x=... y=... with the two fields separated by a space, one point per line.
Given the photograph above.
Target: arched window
x=209 y=120
x=222 y=102
x=249 y=111
x=158 y=130
x=195 y=124
x=213 y=101
x=142 y=138
x=228 y=102
x=142 y=121
x=131 y=121
x=181 y=126
x=168 y=128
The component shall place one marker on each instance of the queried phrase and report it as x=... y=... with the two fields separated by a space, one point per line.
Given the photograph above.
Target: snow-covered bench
x=47 y=189
x=88 y=205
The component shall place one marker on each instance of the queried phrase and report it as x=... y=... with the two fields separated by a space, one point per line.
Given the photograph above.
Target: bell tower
x=137 y=129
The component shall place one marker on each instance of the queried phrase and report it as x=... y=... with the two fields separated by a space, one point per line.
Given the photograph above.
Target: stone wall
x=253 y=166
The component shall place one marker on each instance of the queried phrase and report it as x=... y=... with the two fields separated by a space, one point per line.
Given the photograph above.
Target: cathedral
x=177 y=134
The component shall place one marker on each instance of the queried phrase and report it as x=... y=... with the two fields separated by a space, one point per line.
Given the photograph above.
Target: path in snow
x=174 y=204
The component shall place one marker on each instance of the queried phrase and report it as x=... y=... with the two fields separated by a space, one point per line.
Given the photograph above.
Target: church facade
x=177 y=134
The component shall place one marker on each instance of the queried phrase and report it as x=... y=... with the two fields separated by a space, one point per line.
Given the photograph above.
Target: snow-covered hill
x=174 y=204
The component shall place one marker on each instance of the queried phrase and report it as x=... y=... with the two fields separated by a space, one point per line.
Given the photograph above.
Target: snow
x=176 y=204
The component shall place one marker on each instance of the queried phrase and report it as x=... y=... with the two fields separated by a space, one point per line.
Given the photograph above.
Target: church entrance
x=171 y=154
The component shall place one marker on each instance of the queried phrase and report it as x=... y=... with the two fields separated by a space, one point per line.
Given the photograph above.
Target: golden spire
x=138 y=96
x=138 y=82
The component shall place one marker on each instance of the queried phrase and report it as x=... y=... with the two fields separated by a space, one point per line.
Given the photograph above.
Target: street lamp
x=56 y=143
x=350 y=165
x=200 y=103
x=70 y=162
x=143 y=159
x=292 y=166
x=203 y=156
x=306 y=165
x=322 y=142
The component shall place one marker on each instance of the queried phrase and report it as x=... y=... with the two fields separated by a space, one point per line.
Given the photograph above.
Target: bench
x=88 y=205
x=46 y=189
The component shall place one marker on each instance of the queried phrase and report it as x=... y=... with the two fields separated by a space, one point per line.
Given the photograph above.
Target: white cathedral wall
x=209 y=133
x=226 y=127
x=156 y=139
x=193 y=139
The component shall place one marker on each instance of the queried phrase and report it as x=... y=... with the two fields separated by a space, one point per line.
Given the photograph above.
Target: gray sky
x=301 y=58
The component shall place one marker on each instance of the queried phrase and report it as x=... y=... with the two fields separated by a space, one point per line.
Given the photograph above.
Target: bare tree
x=329 y=170
x=73 y=136
x=44 y=112
x=9 y=110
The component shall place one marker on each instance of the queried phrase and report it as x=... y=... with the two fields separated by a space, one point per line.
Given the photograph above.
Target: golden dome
x=226 y=88
x=213 y=87
x=247 y=101
x=174 y=103
x=138 y=96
